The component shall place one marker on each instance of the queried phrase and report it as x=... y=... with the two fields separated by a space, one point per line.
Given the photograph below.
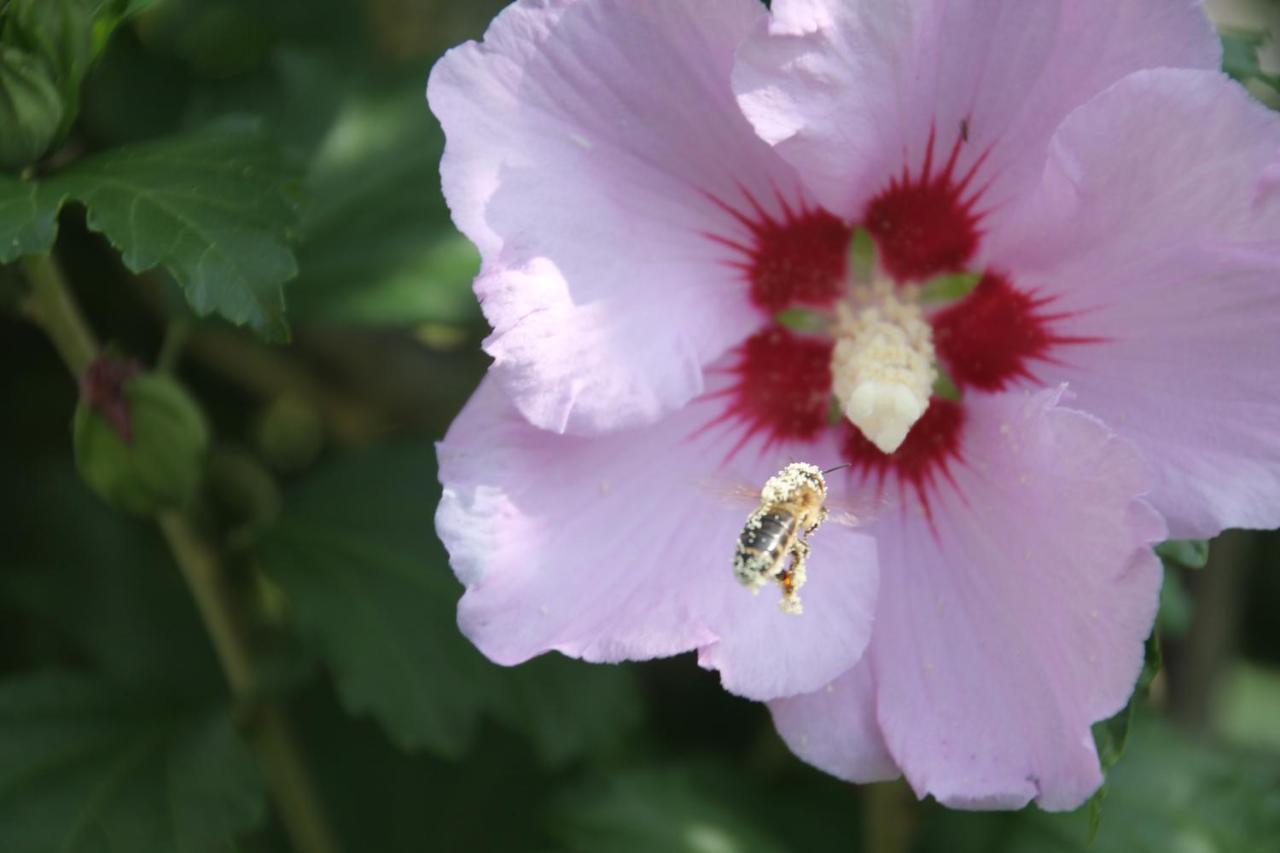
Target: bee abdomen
x=762 y=545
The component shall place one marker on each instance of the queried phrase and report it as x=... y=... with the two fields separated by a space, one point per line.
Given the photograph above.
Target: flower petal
x=851 y=93
x=1018 y=619
x=1167 y=249
x=835 y=728
x=593 y=147
x=620 y=546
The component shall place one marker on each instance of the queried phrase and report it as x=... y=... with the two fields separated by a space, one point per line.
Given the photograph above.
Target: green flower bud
x=140 y=440
x=31 y=110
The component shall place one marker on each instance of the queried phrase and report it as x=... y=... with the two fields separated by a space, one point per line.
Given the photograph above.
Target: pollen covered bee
x=772 y=545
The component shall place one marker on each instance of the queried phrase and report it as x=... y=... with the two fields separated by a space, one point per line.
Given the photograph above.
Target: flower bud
x=140 y=440
x=31 y=110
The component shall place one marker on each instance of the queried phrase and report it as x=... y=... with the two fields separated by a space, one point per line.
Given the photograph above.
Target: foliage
x=220 y=178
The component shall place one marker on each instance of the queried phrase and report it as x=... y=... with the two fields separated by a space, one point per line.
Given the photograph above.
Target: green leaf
x=1171 y=795
x=370 y=587
x=666 y=809
x=27 y=225
x=1240 y=56
x=1111 y=736
x=1188 y=553
x=1247 y=707
x=378 y=247
x=86 y=767
x=215 y=208
x=109 y=595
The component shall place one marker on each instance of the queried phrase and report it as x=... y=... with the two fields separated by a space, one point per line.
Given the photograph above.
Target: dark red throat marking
x=989 y=339
x=923 y=224
x=782 y=387
x=932 y=445
x=797 y=258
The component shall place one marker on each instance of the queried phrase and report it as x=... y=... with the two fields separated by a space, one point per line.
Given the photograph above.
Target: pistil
x=883 y=362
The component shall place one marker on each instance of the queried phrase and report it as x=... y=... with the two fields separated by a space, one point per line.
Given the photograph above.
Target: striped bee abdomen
x=763 y=544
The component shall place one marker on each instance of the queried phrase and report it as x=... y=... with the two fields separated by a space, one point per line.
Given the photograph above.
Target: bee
x=773 y=544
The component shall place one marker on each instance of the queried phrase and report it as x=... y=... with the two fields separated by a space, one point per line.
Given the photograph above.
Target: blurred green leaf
x=89 y=767
x=668 y=809
x=378 y=247
x=1171 y=795
x=1111 y=736
x=1240 y=56
x=1247 y=708
x=100 y=584
x=1188 y=553
x=215 y=208
x=369 y=585
x=31 y=109
x=1176 y=605
x=27 y=227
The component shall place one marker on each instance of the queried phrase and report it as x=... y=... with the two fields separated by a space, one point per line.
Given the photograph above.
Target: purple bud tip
x=102 y=389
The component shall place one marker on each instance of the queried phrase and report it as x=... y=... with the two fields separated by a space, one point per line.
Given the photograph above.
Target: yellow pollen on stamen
x=883 y=361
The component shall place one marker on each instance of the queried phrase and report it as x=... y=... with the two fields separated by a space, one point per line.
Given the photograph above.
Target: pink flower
x=651 y=183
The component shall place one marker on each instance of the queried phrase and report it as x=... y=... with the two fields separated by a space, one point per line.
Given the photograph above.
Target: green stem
x=888 y=815
x=291 y=785
x=51 y=306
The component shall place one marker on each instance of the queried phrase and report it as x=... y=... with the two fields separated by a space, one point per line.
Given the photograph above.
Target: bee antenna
x=837 y=468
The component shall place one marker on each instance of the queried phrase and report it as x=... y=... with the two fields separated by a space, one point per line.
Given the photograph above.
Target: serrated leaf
x=28 y=224
x=215 y=208
x=657 y=809
x=86 y=768
x=369 y=586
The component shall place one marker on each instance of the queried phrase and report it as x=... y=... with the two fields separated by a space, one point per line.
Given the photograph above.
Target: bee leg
x=793 y=578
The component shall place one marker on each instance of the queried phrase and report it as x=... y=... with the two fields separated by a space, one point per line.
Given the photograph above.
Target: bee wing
x=730 y=493
x=845 y=510
x=851 y=510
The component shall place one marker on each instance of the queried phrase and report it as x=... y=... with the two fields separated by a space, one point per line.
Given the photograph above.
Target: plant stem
x=888 y=815
x=277 y=747
x=51 y=306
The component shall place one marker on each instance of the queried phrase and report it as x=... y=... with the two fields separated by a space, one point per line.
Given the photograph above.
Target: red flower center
x=923 y=224
x=795 y=259
x=782 y=389
x=930 y=448
x=989 y=338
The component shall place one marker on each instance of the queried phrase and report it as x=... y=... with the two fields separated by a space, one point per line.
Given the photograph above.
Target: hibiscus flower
x=656 y=187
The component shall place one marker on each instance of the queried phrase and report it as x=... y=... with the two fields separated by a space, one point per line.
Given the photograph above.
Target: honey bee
x=773 y=544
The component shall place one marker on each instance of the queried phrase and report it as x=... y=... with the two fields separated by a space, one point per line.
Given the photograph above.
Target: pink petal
x=1008 y=627
x=1154 y=229
x=851 y=93
x=835 y=728
x=588 y=144
x=620 y=547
